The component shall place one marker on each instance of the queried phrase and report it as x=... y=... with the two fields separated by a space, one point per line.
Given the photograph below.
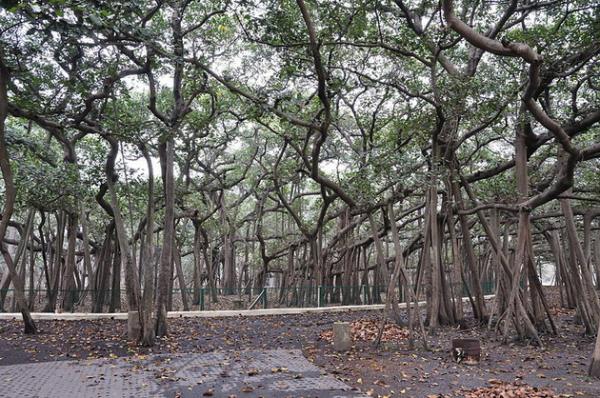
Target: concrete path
x=260 y=373
x=206 y=314
x=193 y=314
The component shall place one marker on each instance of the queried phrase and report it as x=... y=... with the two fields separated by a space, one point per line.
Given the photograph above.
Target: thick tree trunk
x=166 y=151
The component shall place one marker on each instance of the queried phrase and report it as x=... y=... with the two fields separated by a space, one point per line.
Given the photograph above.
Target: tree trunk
x=68 y=285
x=597 y=259
x=147 y=268
x=102 y=275
x=479 y=308
x=594 y=370
x=127 y=262
x=10 y=194
x=87 y=259
x=587 y=302
x=115 y=289
x=166 y=151
x=181 y=279
x=434 y=259
x=56 y=262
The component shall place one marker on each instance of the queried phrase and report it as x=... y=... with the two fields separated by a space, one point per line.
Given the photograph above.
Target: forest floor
x=390 y=370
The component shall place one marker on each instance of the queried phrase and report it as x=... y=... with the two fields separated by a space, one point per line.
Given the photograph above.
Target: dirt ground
x=390 y=370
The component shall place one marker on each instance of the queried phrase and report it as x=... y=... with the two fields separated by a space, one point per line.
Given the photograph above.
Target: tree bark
x=10 y=194
x=594 y=369
x=147 y=268
x=166 y=151
x=68 y=285
x=127 y=262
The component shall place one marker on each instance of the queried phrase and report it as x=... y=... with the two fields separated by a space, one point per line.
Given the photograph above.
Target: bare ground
x=390 y=370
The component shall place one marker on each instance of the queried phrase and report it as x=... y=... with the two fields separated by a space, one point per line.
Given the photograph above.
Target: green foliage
x=81 y=71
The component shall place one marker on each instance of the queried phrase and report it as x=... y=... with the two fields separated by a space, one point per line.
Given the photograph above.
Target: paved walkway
x=264 y=373
x=193 y=314
x=207 y=314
